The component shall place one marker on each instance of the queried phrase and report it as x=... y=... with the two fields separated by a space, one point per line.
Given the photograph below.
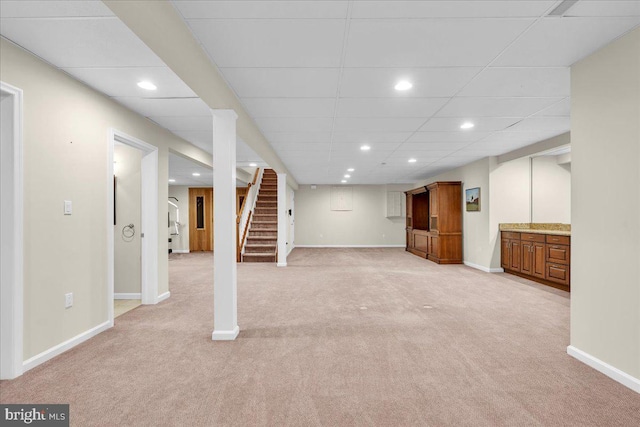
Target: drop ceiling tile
x=150 y=107
x=509 y=137
x=473 y=152
x=432 y=146
x=560 y=42
x=530 y=82
x=287 y=124
x=289 y=147
x=560 y=124
x=419 y=43
x=355 y=148
x=262 y=9
x=495 y=107
x=449 y=9
x=369 y=137
x=298 y=137
x=562 y=108
x=427 y=82
x=175 y=123
x=124 y=81
x=53 y=9
x=605 y=8
x=80 y=42
x=482 y=124
x=447 y=137
x=377 y=124
x=271 y=42
x=389 y=107
x=283 y=82
x=289 y=107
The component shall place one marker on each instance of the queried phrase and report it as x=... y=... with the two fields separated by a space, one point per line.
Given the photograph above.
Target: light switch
x=68 y=207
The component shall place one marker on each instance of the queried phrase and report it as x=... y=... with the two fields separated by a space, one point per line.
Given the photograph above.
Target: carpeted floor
x=341 y=337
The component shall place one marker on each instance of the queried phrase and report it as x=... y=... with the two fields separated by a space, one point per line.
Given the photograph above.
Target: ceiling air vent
x=562 y=8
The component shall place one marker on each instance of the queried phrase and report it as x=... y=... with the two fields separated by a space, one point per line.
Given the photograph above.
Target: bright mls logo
x=34 y=415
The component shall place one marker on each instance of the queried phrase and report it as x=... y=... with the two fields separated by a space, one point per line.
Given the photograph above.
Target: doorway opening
x=137 y=255
x=11 y=226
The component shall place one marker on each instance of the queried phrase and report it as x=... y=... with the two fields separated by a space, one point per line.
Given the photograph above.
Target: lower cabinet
x=544 y=258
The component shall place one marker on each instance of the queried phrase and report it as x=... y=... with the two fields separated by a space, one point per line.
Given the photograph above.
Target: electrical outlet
x=68 y=300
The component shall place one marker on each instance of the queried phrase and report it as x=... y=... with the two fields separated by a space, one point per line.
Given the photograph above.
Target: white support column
x=225 y=297
x=282 y=220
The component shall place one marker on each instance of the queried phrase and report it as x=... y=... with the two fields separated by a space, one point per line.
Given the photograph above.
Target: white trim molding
x=483 y=268
x=351 y=246
x=180 y=251
x=67 y=345
x=120 y=295
x=12 y=223
x=603 y=367
x=218 y=335
x=164 y=296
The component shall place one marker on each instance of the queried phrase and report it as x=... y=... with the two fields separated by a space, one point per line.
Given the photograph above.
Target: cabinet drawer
x=559 y=240
x=560 y=254
x=531 y=237
x=557 y=273
x=510 y=235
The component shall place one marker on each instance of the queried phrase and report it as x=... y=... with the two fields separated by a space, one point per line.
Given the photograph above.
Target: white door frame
x=149 y=219
x=11 y=292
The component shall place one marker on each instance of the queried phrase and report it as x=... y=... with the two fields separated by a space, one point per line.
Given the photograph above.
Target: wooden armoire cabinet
x=434 y=222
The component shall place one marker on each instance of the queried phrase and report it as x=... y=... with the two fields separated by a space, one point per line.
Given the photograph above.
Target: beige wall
x=127 y=263
x=180 y=243
x=478 y=238
x=506 y=196
x=65 y=158
x=365 y=225
x=551 y=190
x=605 y=219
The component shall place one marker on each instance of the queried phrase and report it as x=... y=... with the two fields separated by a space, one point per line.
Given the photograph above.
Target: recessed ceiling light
x=403 y=85
x=172 y=180
x=412 y=160
x=147 y=85
x=343 y=181
x=467 y=125
x=350 y=170
x=365 y=148
x=347 y=176
x=195 y=174
x=253 y=165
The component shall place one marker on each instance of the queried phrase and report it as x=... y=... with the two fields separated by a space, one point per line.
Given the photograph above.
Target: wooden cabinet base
x=539 y=280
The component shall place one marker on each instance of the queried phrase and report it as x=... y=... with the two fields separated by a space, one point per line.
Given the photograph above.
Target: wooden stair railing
x=245 y=226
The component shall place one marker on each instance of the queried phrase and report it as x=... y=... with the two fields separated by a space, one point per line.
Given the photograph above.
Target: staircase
x=262 y=240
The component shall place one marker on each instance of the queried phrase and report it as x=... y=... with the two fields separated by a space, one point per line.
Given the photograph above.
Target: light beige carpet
x=341 y=337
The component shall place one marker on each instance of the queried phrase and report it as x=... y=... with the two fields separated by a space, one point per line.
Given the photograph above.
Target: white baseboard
x=610 y=371
x=180 y=251
x=164 y=296
x=62 y=347
x=225 y=335
x=350 y=246
x=281 y=264
x=483 y=268
x=120 y=295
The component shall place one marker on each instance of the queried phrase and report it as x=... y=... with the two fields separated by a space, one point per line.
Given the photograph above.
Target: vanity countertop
x=538 y=228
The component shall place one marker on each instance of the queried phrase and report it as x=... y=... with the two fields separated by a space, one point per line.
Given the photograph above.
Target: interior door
x=200 y=219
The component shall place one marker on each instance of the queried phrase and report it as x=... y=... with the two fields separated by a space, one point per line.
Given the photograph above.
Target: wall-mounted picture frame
x=472 y=199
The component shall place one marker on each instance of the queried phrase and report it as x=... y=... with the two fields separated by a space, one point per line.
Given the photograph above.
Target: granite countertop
x=538 y=228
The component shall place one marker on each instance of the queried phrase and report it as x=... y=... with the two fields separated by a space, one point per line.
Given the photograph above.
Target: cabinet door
x=516 y=255
x=505 y=254
x=527 y=258
x=539 y=262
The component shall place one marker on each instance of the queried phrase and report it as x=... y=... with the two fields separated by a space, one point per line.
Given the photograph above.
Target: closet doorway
x=200 y=219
